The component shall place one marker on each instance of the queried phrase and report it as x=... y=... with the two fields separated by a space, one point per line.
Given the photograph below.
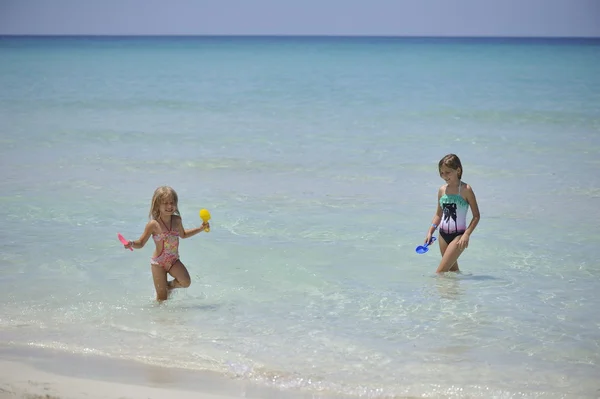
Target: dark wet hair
x=453 y=162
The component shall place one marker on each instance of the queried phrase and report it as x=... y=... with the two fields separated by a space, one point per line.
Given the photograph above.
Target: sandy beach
x=22 y=381
x=39 y=373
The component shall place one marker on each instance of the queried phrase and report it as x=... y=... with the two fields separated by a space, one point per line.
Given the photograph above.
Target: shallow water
x=318 y=161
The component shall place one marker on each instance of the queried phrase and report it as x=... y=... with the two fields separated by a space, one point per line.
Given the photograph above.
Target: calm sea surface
x=317 y=158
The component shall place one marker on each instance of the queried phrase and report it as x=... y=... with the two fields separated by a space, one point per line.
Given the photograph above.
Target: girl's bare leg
x=159 y=275
x=181 y=276
x=450 y=253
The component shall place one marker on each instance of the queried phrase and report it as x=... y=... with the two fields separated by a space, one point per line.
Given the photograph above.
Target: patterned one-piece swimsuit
x=454 y=215
x=170 y=250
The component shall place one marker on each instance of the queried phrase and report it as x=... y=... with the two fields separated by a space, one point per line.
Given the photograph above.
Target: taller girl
x=454 y=199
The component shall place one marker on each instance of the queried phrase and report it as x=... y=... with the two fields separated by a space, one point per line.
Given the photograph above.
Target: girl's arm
x=470 y=197
x=140 y=242
x=436 y=218
x=183 y=233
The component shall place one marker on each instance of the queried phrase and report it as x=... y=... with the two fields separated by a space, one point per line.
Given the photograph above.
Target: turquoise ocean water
x=317 y=158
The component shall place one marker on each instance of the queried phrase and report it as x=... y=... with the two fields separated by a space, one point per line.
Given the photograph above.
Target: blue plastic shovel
x=421 y=249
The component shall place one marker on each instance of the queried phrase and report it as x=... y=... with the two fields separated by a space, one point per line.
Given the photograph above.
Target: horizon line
x=159 y=35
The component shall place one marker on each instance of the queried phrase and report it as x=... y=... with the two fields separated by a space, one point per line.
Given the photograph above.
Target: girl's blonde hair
x=453 y=162
x=162 y=194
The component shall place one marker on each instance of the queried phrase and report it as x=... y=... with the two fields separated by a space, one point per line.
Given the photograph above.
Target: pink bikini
x=170 y=250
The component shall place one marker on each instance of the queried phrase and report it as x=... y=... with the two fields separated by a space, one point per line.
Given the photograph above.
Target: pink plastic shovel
x=123 y=240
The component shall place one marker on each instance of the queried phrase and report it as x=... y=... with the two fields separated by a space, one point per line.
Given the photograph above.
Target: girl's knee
x=186 y=282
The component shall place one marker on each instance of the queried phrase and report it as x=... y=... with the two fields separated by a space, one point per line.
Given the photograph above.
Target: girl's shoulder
x=441 y=191
x=176 y=219
x=152 y=226
x=466 y=186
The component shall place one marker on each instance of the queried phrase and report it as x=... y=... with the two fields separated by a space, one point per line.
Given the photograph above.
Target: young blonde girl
x=165 y=227
x=454 y=199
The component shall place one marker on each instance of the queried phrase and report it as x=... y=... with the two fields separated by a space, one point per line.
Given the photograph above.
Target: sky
x=523 y=18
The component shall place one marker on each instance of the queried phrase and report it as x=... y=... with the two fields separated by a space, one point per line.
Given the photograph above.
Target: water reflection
x=449 y=286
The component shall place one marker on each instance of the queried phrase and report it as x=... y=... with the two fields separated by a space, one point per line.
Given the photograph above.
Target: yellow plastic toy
x=205 y=216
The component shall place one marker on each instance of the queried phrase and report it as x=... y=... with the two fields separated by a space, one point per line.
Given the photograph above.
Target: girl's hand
x=205 y=225
x=128 y=245
x=427 y=239
x=463 y=242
